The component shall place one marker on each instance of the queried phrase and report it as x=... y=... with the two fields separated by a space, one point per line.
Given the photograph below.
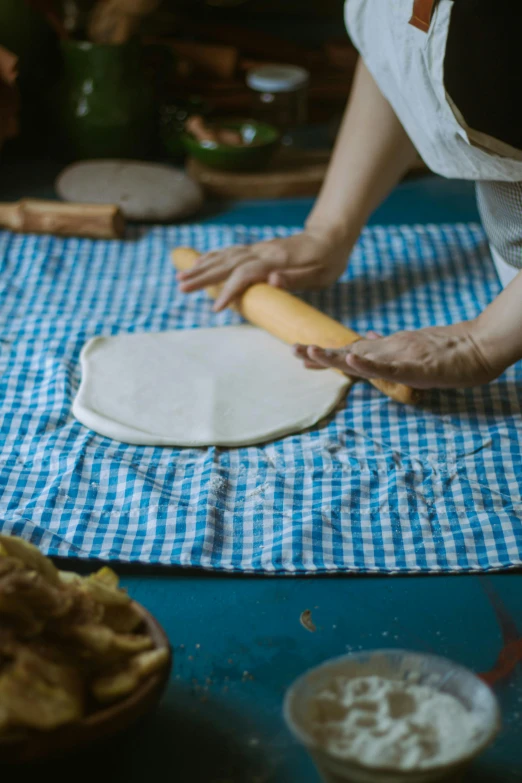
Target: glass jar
x=279 y=95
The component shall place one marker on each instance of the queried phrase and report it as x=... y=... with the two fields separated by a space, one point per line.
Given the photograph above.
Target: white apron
x=408 y=66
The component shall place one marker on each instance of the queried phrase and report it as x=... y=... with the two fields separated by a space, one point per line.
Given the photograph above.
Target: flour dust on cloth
x=232 y=386
x=417 y=70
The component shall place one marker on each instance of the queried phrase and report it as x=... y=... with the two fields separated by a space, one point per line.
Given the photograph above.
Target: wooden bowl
x=31 y=745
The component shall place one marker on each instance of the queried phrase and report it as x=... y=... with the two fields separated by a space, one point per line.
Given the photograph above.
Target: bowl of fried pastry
x=79 y=660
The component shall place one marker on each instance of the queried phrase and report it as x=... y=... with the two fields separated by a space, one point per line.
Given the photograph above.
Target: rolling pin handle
x=36 y=216
x=294 y=321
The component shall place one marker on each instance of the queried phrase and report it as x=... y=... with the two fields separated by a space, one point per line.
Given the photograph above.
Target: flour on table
x=230 y=386
x=380 y=722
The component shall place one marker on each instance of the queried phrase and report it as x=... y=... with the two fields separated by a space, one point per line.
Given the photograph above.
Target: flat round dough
x=230 y=386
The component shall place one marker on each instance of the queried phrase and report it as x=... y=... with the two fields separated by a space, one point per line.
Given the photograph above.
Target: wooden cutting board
x=289 y=174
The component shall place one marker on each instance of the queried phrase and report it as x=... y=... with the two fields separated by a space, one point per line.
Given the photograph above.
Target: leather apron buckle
x=422 y=13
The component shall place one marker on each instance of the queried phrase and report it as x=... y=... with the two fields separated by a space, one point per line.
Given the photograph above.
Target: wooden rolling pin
x=32 y=216
x=293 y=321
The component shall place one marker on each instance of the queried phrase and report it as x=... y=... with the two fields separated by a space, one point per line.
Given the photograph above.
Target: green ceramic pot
x=105 y=102
x=261 y=140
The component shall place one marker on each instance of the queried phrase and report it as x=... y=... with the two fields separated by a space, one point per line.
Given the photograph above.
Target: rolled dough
x=230 y=386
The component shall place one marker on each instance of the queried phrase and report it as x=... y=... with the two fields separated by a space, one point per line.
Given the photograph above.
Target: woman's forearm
x=498 y=329
x=371 y=155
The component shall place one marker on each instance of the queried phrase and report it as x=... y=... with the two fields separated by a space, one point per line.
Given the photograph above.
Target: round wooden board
x=289 y=174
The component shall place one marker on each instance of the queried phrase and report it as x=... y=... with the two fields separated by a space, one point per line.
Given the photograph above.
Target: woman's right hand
x=311 y=259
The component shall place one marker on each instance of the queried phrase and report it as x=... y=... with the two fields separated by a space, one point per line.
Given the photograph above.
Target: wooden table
x=238 y=641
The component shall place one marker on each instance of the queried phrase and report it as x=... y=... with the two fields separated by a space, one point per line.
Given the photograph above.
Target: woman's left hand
x=440 y=357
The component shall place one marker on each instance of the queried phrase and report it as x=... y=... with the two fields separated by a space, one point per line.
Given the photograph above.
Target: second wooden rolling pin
x=33 y=216
x=293 y=321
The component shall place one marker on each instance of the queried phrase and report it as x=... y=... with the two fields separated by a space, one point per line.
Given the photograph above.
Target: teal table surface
x=238 y=641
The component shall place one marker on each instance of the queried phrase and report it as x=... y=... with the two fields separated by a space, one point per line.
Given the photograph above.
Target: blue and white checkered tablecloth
x=378 y=488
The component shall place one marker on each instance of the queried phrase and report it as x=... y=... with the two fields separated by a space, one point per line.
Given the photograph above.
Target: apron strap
x=422 y=13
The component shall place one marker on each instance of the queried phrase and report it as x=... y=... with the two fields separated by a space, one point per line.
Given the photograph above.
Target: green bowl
x=262 y=141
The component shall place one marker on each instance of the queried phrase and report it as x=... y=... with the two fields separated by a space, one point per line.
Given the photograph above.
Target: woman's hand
x=371 y=155
x=311 y=259
x=436 y=357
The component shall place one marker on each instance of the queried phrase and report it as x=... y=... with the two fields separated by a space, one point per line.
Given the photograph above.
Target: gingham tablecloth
x=378 y=488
